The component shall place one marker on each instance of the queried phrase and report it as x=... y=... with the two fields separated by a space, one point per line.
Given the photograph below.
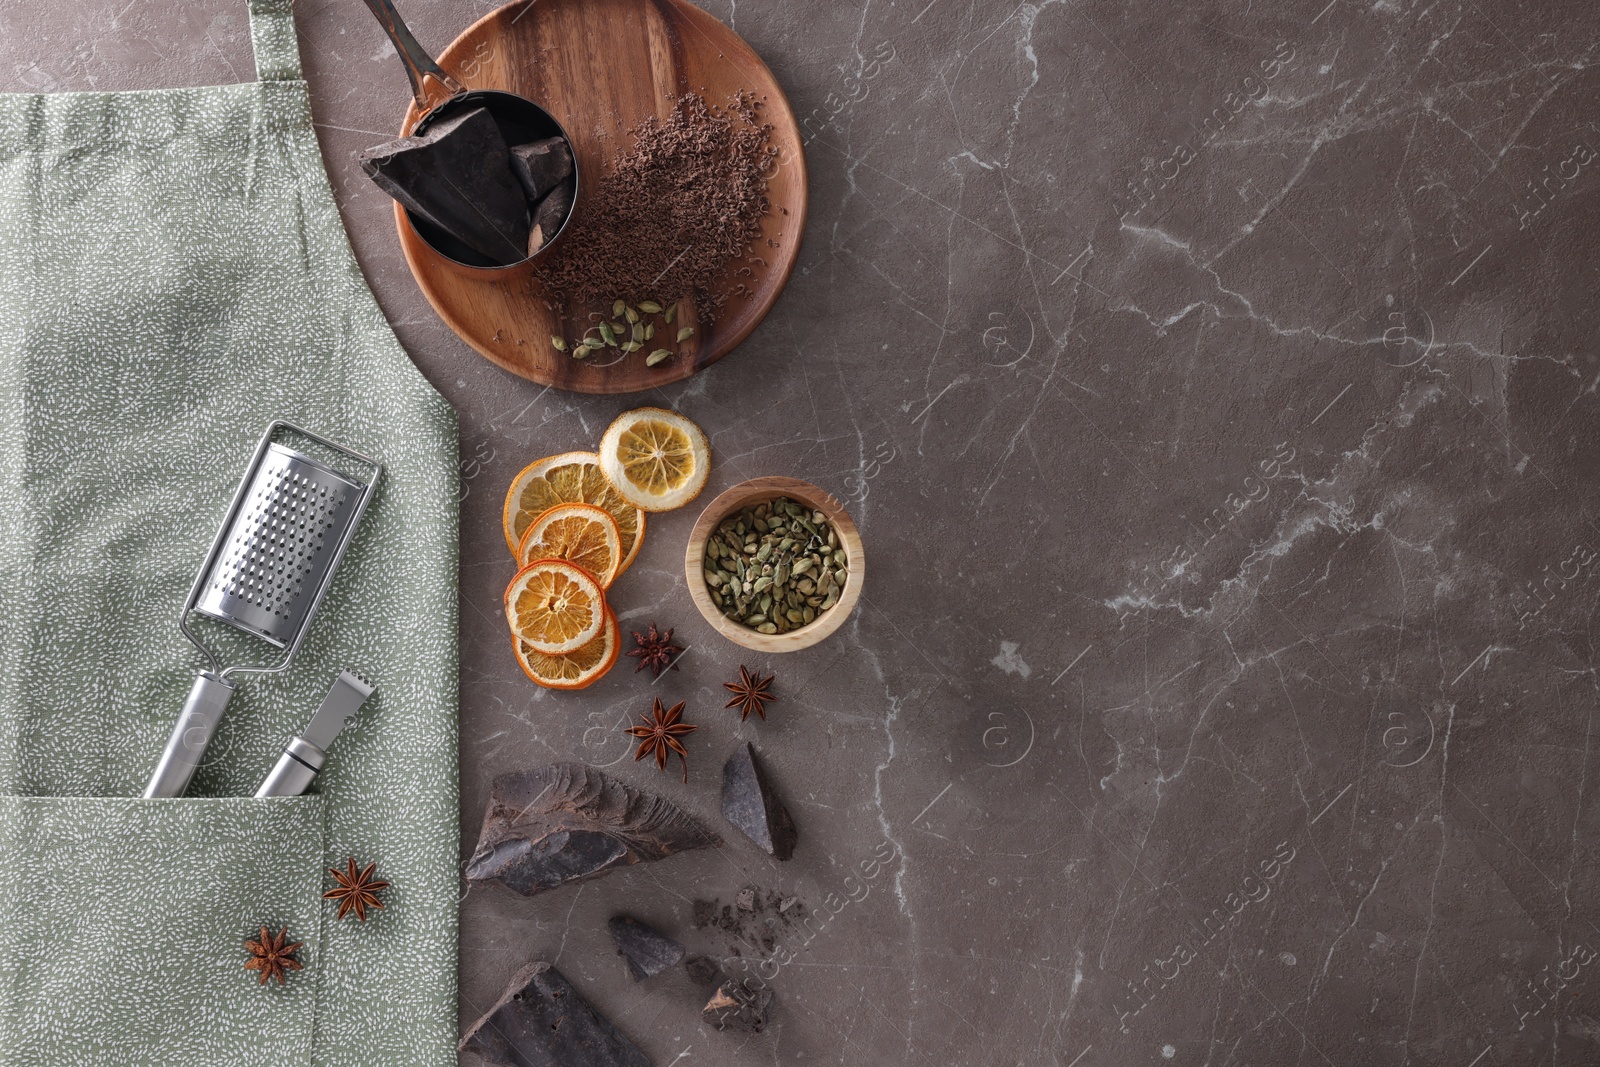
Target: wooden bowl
x=748 y=494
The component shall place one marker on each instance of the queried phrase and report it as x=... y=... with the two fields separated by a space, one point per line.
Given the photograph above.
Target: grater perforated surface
x=278 y=552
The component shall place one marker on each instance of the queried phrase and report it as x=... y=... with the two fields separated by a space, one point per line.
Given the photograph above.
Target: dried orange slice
x=569 y=478
x=578 y=533
x=555 y=606
x=577 y=669
x=657 y=459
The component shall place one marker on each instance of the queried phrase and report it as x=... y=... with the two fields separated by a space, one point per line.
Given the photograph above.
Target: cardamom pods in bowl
x=775 y=564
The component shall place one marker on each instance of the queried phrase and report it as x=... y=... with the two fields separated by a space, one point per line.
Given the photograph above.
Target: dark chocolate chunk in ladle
x=457 y=175
x=440 y=99
x=549 y=216
x=541 y=165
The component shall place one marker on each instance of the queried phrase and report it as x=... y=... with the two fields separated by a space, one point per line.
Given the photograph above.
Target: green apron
x=173 y=276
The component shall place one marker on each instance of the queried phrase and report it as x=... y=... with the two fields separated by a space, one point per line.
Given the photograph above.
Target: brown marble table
x=1215 y=388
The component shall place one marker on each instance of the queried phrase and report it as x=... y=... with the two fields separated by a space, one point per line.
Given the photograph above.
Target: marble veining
x=1214 y=386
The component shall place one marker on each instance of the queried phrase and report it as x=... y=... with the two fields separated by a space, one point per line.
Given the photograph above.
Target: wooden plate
x=599 y=66
x=755 y=491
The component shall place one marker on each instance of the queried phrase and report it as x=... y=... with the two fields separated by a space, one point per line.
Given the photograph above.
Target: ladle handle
x=419 y=65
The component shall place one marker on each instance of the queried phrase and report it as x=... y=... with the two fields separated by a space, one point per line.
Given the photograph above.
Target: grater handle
x=208 y=698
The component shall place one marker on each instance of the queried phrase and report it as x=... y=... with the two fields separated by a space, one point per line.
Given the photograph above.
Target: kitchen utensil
x=748 y=494
x=303 y=757
x=651 y=51
x=269 y=567
x=437 y=95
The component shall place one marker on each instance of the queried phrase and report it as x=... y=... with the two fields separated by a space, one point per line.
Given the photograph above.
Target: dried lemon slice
x=555 y=606
x=577 y=669
x=569 y=478
x=657 y=459
x=578 y=533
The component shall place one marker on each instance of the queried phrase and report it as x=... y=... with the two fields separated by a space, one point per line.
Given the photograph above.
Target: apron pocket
x=123 y=923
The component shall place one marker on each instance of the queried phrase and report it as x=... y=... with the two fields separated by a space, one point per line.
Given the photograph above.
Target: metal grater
x=269 y=567
x=279 y=547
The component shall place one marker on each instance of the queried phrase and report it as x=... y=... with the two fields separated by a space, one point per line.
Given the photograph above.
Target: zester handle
x=294 y=771
x=208 y=698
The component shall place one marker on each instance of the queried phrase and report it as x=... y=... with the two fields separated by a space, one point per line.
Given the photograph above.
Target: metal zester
x=269 y=567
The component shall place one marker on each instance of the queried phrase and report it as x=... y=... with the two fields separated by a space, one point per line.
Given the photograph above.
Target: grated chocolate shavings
x=671 y=212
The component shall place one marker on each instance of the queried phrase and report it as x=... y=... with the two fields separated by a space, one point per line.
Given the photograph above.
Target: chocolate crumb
x=703 y=970
x=671 y=213
x=735 y=1006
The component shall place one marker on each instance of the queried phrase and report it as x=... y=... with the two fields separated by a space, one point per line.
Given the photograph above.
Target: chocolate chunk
x=703 y=970
x=542 y=1021
x=457 y=175
x=539 y=165
x=567 y=822
x=746 y=900
x=549 y=215
x=735 y=1006
x=749 y=803
x=647 y=950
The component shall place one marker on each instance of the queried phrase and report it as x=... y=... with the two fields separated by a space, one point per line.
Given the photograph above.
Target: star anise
x=750 y=693
x=659 y=735
x=271 y=956
x=357 y=889
x=654 y=650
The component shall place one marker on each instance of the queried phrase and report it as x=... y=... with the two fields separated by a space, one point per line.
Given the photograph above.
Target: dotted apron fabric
x=173 y=276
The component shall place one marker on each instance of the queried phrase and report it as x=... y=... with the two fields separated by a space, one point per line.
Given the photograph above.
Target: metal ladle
x=520 y=120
